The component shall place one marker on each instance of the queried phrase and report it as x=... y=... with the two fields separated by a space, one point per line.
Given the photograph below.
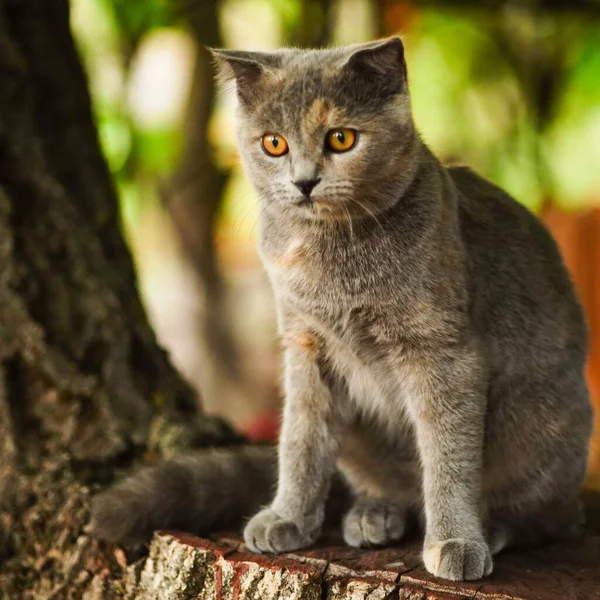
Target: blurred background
x=511 y=88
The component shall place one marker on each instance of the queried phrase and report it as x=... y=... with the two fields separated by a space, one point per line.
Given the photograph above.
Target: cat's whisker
x=369 y=212
x=241 y=223
x=349 y=222
x=242 y=214
x=264 y=208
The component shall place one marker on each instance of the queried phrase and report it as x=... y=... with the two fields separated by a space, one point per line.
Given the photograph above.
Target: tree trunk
x=84 y=389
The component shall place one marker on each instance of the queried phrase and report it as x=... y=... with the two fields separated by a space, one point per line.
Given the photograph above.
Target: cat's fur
x=434 y=347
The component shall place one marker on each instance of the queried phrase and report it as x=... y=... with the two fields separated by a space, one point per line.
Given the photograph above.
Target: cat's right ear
x=246 y=69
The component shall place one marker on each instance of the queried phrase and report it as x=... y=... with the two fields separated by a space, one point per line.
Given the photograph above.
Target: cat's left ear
x=247 y=69
x=381 y=62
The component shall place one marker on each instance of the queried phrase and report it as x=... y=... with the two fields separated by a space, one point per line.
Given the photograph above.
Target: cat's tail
x=208 y=490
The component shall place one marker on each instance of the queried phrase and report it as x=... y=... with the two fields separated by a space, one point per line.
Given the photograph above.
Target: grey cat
x=434 y=346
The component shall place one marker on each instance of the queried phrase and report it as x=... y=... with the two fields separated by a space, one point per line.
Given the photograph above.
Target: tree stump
x=181 y=566
x=184 y=567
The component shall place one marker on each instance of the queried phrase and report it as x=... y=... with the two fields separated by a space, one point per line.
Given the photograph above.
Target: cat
x=434 y=347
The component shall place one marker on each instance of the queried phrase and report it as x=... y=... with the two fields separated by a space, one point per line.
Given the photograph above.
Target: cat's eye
x=274 y=144
x=341 y=140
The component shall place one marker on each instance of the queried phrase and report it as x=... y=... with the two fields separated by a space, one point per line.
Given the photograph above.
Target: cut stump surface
x=184 y=567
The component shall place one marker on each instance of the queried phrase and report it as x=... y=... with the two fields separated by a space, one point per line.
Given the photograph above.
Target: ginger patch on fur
x=301 y=339
x=293 y=255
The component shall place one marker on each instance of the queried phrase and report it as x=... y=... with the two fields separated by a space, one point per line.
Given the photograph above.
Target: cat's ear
x=381 y=61
x=247 y=69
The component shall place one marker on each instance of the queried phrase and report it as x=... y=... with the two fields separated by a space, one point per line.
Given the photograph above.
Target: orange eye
x=274 y=144
x=341 y=140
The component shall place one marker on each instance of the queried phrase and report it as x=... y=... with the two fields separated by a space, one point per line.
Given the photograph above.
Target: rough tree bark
x=84 y=389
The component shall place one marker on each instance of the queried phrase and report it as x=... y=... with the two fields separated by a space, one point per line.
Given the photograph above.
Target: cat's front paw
x=458 y=559
x=372 y=522
x=268 y=532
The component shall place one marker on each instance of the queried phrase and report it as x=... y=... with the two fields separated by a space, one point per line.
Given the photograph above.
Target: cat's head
x=324 y=133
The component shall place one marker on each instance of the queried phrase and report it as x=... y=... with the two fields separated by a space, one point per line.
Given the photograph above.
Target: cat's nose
x=306 y=186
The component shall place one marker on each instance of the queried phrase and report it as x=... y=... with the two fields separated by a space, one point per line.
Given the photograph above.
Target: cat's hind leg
x=555 y=521
x=536 y=459
x=373 y=522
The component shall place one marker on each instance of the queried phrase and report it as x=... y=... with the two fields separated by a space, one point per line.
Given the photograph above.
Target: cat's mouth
x=305 y=202
x=322 y=209
x=316 y=204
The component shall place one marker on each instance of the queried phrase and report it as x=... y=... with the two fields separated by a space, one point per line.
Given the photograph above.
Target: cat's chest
x=322 y=275
x=352 y=327
x=324 y=288
x=367 y=354
x=356 y=294
x=342 y=291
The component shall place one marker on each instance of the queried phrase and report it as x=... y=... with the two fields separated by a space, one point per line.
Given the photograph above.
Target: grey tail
x=209 y=490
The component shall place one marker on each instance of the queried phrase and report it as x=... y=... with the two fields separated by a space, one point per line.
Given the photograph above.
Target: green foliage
x=477 y=80
x=572 y=146
x=136 y=17
x=158 y=151
x=109 y=33
x=115 y=137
